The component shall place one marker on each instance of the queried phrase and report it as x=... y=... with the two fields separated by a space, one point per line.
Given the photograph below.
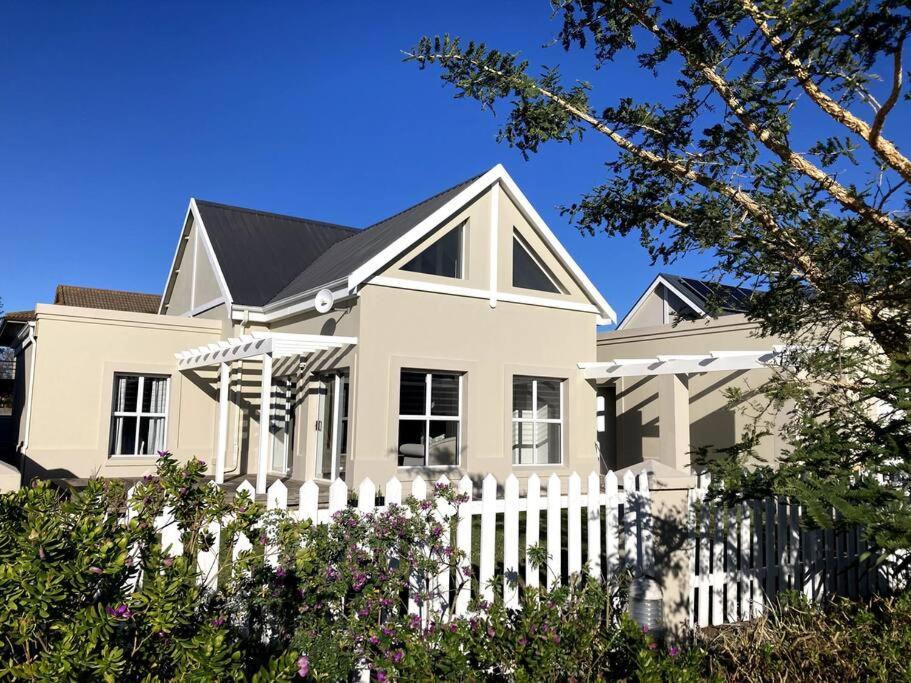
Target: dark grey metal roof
x=345 y=256
x=712 y=297
x=261 y=252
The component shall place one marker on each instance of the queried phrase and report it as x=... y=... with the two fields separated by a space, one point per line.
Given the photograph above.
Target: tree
x=815 y=214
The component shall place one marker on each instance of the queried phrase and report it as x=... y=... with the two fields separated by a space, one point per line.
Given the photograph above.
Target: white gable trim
x=494 y=175
x=651 y=288
x=210 y=253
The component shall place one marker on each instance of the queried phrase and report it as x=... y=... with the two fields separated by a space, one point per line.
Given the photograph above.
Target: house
x=455 y=337
x=442 y=340
x=664 y=373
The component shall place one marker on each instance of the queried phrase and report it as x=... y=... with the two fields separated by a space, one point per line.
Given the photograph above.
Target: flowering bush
x=88 y=592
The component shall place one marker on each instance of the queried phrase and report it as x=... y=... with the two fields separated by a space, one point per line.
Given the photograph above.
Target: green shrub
x=86 y=595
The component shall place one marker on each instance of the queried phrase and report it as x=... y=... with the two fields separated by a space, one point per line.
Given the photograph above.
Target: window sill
x=131 y=460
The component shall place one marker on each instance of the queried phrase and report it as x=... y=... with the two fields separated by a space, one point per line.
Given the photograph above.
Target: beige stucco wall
x=712 y=421
x=195 y=283
x=78 y=352
x=424 y=330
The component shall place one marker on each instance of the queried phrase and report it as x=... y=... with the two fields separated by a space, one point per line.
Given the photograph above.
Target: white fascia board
x=207 y=243
x=525 y=206
x=305 y=302
x=171 y=272
x=416 y=233
x=651 y=288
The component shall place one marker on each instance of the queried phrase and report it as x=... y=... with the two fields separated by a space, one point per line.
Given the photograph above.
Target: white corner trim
x=494 y=229
x=651 y=288
x=455 y=290
x=494 y=175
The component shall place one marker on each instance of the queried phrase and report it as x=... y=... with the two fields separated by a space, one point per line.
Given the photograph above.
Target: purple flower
x=426 y=504
x=673 y=650
x=218 y=622
x=523 y=641
x=381 y=677
x=120 y=612
x=281 y=572
x=374 y=640
x=96 y=570
x=163 y=454
x=168 y=561
x=398 y=656
x=653 y=646
x=363 y=612
x=303 y=666
x=557 y=638
x=645 y=628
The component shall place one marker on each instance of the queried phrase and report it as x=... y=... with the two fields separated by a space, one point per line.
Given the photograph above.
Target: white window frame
x=517 y=238
x=427 y=417
x=113 y=446
x=463 y=231
x=534 y=420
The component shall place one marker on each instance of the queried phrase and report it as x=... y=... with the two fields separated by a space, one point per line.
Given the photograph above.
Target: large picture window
x=139 y=415
x=430 y=406
x=537 y=421
x=443 y=257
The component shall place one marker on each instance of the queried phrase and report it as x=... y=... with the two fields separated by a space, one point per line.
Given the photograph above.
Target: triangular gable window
x=443 y=257
x=528 y=272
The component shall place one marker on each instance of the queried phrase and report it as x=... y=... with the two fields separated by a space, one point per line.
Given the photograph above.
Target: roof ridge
x=273 y=214
x=424 y=201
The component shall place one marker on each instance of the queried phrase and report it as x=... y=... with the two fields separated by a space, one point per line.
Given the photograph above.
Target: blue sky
x=114 y=114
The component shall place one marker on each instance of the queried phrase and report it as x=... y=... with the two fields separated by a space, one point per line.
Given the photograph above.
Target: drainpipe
x=235 y=466
x=32 y=339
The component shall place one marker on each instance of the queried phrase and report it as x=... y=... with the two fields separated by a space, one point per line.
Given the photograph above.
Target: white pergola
x=264 y=346
x=673 y=371
x=681 y=364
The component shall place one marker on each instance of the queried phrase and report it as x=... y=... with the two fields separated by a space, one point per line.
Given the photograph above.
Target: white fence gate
x=745 y=555
x=601 y=530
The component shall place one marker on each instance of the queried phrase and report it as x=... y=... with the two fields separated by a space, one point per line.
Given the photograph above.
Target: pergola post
x=224 y=385
x=674 y=421
x=265 y=413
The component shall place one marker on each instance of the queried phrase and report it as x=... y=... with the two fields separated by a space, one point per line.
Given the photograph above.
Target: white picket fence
x=607 y=527
x=745 y=555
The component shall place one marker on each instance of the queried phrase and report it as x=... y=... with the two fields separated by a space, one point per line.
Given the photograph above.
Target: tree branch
x=880 y=119
x=786 y=246
x=839 y=192
x=887 y=150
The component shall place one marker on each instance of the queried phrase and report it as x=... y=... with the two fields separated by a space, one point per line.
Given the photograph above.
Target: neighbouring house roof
x=19 y=316
x=705 y=298
x=712 y=296
x=108 y=299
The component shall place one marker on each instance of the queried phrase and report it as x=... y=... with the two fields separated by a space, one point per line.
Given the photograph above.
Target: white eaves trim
x=651 y=288
x=455 y=290
x=210 y=252
x=497 y=174
x=713 y=361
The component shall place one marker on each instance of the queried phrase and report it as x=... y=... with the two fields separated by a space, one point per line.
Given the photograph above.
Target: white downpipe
x=265 y=414
x=224 y=383
x=33 y=340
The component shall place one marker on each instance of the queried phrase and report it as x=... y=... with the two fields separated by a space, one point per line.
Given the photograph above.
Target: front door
x=332 y=425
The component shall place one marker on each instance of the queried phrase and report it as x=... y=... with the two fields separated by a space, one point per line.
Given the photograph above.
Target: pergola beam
x=714 y=361
x=277 y=344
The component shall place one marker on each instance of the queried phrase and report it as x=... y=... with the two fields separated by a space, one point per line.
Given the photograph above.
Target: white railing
x=615 y=516
x=745 y=555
